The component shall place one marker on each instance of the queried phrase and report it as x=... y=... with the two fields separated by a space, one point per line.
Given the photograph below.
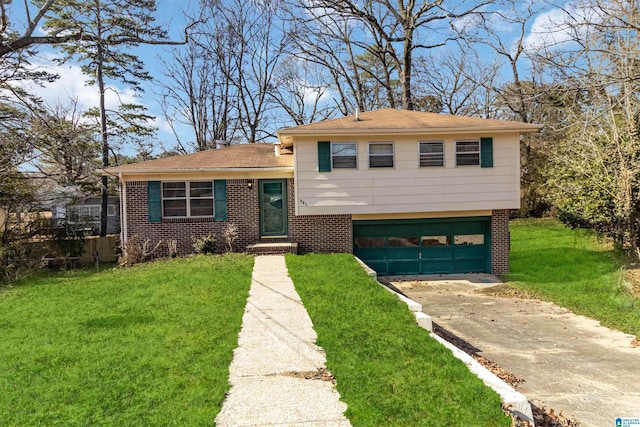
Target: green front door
x=273 y=207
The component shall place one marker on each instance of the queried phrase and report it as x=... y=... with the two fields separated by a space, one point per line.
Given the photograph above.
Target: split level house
x=407 y=192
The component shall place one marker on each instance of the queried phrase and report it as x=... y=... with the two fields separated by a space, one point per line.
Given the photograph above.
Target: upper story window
x=344 y=155
x=431 y=154
x=468 y=153
x=381 y=155
x=187 y=199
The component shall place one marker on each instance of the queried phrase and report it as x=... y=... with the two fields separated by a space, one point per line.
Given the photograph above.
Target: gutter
x=134 y=171
x=417 y=131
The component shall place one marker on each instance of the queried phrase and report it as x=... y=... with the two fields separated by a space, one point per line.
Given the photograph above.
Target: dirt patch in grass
x=633 y=277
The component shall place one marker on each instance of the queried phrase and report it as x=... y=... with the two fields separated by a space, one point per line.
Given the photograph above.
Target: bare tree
x=301 y=89
x=399 y=30
x=196 y=91
x=461 y=82
x=595 y=48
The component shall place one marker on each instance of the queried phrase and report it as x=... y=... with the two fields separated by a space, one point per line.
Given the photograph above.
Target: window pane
x=431 y=154
x=403 y=241
x=430 y=147
x=344 y=155
x=380 y=148
x=469 y=239
x=472 y=159
x=111 y=210
x=201 y=207
x=381 y=161
x=431 y=161
x=436 y=240
x=344 y=162
x=175 y=208
x=344 y=149
x=201 y=189
x=467 y=146
x=174 y=189
x=370 y=242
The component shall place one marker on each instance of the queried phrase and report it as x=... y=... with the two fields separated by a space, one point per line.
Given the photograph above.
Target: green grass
x=149 y=345
x=388 y=370
x=574 y=269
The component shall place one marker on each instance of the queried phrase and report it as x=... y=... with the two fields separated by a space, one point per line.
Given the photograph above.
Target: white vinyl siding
x=407 y=187
x=181 y=199
x=381 y=155
x=431 y=154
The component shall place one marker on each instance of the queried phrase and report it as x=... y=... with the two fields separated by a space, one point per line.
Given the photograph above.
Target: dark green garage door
x=424 y=246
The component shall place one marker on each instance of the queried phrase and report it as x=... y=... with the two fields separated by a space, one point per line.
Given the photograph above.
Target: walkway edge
x=514 y=401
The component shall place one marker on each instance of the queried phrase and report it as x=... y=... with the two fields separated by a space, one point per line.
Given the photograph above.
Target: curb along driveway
x=568 y=363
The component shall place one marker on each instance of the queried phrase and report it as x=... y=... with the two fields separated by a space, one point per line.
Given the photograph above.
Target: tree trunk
x=105 y=143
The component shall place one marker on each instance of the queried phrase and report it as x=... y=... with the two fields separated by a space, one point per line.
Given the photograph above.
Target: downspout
x=123 y=211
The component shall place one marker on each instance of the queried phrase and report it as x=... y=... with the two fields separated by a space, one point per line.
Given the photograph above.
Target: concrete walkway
x=568 y=363
x=276 y=353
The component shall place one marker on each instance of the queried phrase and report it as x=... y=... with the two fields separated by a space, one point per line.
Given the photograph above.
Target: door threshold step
x=275 y=248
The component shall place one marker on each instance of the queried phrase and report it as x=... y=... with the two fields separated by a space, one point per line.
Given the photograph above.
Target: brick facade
x=322 y=233
x=500 y=241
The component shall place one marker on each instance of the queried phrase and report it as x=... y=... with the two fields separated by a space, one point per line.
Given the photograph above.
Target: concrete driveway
x=568 y=363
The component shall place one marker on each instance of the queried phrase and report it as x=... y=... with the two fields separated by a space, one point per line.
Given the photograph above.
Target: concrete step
x=275 y=248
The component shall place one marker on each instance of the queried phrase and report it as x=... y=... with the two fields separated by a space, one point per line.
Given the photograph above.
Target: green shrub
x=205 y=244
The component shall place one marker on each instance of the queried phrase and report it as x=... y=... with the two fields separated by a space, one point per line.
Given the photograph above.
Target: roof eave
x=147 y=171
x=417 y=131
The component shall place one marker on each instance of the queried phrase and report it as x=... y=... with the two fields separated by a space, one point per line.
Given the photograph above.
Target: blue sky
x=71 y=83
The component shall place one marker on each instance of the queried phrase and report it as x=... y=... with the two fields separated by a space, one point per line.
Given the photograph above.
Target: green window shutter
x=486 y=152
x=154 y=201
x=324 y=156
x=220 y=199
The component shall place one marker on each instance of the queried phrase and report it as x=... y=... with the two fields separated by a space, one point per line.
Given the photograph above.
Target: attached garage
x=424 y=246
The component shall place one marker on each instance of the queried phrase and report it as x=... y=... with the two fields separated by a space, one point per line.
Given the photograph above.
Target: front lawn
x=574 y=269
x=149 y=345
x=388 y=370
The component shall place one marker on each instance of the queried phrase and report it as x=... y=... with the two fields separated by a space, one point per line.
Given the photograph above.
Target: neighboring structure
x=86 y=213
x=407 y=192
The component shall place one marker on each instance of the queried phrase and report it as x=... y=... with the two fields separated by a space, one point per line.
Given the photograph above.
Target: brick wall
x=322 y=233
x=500 y=241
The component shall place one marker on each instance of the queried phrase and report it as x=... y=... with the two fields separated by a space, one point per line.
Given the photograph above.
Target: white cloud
x=558 y=26
x=72 y=84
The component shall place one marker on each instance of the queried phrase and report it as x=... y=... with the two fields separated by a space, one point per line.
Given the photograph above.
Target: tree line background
x=245 y=68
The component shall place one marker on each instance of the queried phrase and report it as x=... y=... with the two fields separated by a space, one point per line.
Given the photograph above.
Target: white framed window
x=111 y=210
x=380 y=154
x=468 y=153
x=90 y=211
x=431 y=153
x=344 y=155
x=187 y=199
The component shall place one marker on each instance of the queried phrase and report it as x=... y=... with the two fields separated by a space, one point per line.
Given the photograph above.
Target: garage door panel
x=438 y=252
x=428 y=246
x=403 y=253
x=371 y=254
x=403 y=267
x=435 y=229
x=369 y=231
x=436 y=267
x=469 y=265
